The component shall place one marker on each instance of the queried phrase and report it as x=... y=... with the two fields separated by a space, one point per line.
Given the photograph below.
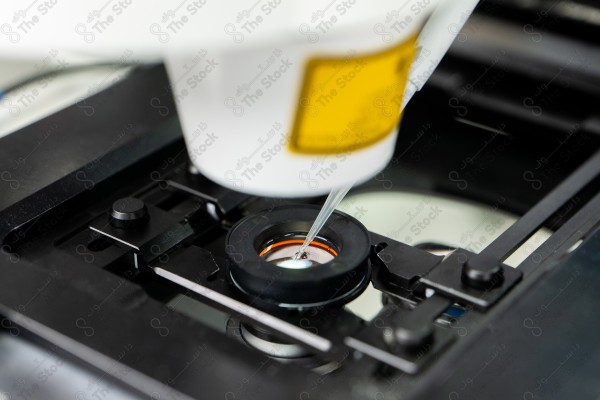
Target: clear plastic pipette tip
x=332 y=201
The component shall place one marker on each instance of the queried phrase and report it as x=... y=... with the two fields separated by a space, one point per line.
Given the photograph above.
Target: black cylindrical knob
x=482 y=271
x=128 y=213
x=413 y=336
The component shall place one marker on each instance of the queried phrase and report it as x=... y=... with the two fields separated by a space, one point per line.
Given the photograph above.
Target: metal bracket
x=449 y=279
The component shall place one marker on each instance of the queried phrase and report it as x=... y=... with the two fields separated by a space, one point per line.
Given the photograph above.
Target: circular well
x=261 y=248
x=283 y=253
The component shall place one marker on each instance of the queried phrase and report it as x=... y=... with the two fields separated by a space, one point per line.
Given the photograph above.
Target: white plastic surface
x=219 y=55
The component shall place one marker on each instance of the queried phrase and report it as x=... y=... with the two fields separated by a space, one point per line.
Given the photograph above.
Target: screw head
x=413 y=336
x=481 y=271
x=128 y=212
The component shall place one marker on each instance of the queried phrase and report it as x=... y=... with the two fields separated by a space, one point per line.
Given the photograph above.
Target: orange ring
x=283 y=243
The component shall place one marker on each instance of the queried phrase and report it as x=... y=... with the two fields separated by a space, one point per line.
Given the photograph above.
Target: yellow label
x=350 y=103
